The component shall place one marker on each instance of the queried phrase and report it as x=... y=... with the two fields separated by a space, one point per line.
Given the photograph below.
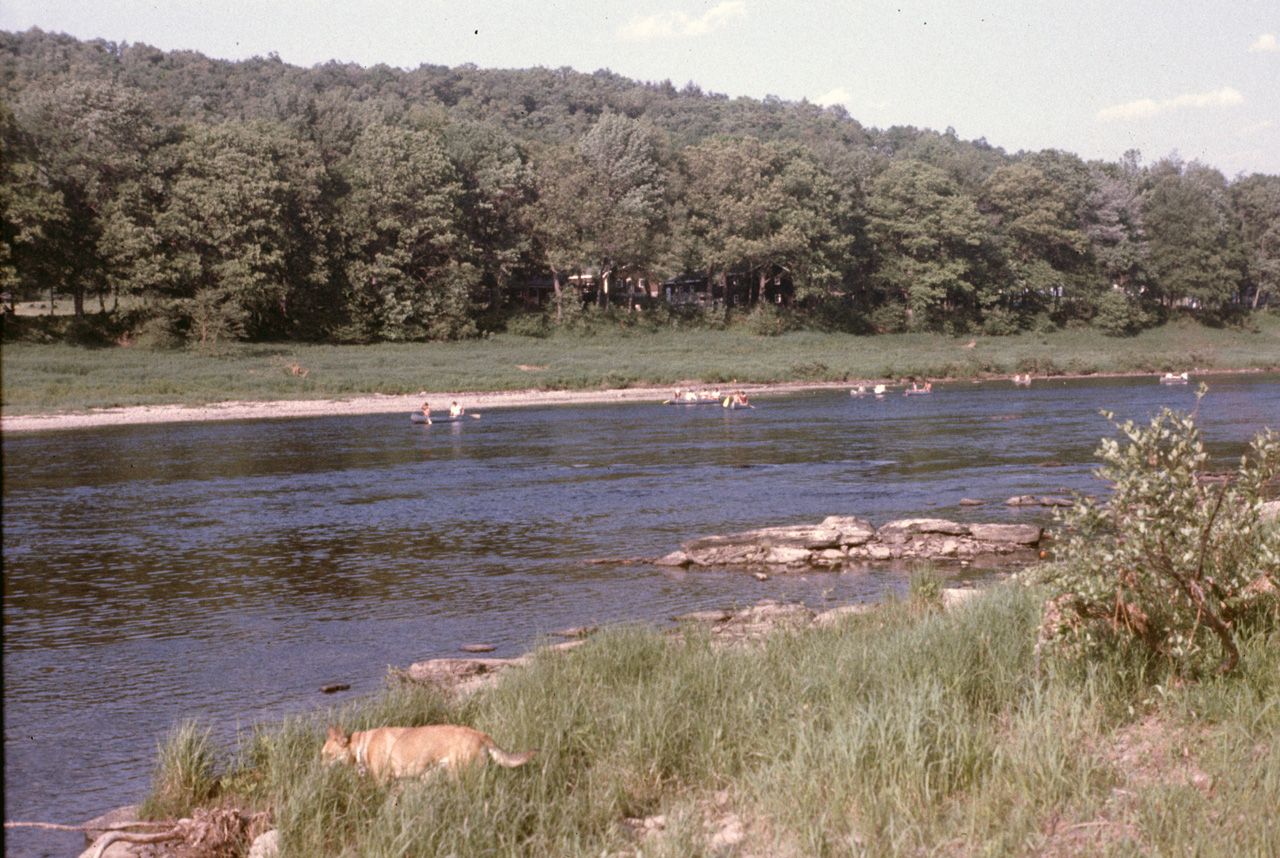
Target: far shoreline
x=476 y=402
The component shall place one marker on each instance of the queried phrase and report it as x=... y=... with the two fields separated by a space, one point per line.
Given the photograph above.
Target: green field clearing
x=54 y=378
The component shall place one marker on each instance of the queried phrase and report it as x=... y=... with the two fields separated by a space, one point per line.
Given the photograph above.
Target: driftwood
x=100 y=845
x=207 y=831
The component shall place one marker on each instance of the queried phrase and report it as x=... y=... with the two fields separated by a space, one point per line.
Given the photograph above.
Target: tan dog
x=401 y=752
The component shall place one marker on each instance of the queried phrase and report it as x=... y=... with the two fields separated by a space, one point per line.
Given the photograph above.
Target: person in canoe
x=456 y=410
x=426 y=411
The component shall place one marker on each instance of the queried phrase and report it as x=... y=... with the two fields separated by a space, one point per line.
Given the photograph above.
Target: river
x=227 y=571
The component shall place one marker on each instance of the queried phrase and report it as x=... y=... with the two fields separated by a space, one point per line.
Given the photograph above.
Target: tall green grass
x=901 y=732
x=63 y=378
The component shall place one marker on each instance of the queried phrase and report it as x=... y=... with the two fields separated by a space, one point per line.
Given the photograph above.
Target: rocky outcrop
x=842 y=540
x=463 y=676
x=1043 y=500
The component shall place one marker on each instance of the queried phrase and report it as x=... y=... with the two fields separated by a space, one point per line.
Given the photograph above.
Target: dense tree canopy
x=260 y=200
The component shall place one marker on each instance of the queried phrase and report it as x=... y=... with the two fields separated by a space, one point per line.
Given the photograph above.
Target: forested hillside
x=179 y=198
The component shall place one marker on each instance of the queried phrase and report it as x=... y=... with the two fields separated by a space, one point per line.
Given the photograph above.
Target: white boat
x=695 y=399
x=419 y=417
x=1175 y=378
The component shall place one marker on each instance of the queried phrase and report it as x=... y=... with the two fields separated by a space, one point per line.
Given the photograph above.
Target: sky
x=1199 y=79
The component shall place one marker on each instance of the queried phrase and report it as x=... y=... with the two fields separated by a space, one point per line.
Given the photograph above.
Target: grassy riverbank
x=904 y=731
x=59 y=378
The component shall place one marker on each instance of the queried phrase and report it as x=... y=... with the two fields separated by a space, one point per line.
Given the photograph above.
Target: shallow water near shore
x=227 y=571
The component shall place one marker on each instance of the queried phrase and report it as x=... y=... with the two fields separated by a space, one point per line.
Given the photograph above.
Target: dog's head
x=337 y=748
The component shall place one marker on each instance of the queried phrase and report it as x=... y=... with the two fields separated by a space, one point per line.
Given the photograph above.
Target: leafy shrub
x=889 y=318
x=810 y=371
x=1000 y=322
x=1119 y=314
x=766 y=320
x=1039 y=365
x=529 y=325
x=1172 y=559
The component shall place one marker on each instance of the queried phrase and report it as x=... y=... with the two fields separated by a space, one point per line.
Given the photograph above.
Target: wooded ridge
x=197 y=200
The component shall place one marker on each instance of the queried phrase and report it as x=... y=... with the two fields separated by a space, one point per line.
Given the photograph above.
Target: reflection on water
x=227 y=571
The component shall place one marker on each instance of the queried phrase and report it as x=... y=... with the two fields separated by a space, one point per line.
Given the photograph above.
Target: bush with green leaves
x=1175 y=558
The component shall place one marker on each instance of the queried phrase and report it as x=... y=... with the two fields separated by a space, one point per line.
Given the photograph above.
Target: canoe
x=419 y=417
x=1170 y=378
x=700 y=401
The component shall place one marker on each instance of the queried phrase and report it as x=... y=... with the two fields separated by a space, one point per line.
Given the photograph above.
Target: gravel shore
x=376 y=404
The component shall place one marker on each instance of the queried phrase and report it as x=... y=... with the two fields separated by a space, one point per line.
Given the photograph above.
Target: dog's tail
x=502 y=758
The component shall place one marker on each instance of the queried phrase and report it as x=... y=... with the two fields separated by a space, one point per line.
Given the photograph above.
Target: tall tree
x=1255 y=205
x=625 y=208
x=757 y=208
x=1035 y=218
x=245 y=227
x=497 y=188
x=1185 y=211
x=73 y=147
x=931 y=245
x=407 y=249
x=1114 y=227
x=559 y=222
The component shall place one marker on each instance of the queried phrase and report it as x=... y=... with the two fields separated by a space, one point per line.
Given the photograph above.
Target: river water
x=227 y=571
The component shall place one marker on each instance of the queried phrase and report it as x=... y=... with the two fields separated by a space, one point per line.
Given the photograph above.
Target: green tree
x=1191 y=250
x=1255 y=205
x=72 y=148
x=1036 y=219
x=407 y=249
x=931 y=245
x=244 y=221
x=497 y=189
x=1114 y=227
x=761 y=208
x=624 y=211
x=558 y=221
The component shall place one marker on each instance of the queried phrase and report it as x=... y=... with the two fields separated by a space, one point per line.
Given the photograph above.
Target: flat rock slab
x=841 y=540
x=1044 y=500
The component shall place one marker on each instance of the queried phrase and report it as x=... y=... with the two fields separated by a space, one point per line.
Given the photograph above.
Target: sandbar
x=475 y=403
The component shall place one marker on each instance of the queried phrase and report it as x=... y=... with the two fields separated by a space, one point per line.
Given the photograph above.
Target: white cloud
x=666 y=25
x=1145 y=108
x=1251 y=130
x=1266 y=42
x=839 y=95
